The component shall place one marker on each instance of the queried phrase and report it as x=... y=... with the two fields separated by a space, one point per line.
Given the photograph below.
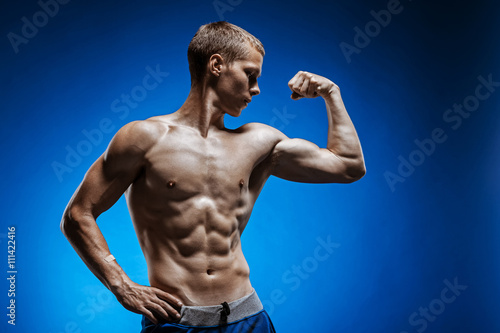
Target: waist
x=213 y=314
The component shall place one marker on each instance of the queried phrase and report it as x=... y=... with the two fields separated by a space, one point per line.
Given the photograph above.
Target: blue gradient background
x=396 y=247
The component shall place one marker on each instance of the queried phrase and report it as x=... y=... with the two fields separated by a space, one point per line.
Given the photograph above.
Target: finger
x=149 y=315
x=173 y=313
x=298 y=82
x=313 y=88
x=304 y=88
x=158 y=309
x=296 y=86
x=168 y=298
x=293 y=79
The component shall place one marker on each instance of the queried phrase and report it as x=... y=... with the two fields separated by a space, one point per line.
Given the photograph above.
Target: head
x=228 y=40
x=229 y=60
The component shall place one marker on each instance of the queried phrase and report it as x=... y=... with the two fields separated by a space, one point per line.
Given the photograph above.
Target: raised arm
x=106 y=180
x=303 y=161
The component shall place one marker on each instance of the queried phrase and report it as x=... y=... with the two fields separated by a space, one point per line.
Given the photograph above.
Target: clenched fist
x=309 y=85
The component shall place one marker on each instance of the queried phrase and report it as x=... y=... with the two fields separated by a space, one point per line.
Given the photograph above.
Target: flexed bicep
x=303 y=161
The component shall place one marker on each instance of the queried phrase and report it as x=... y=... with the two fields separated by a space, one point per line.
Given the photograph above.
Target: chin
x=235 y=113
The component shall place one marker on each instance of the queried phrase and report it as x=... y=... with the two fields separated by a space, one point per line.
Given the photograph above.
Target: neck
x=199 y=111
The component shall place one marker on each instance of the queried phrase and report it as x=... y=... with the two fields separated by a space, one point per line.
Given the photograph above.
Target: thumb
x=296 y=96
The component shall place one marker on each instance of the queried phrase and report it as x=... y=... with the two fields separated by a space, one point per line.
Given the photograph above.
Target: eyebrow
x=254 y=69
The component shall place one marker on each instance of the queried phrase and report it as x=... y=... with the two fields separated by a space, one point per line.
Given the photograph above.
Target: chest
x=185 y=166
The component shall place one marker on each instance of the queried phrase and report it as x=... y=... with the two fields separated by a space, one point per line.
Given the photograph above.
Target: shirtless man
x=191 y=184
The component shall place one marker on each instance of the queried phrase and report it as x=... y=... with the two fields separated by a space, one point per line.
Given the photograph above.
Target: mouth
x=247 y=101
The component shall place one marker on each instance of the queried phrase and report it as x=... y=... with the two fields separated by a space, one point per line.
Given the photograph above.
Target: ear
x=215 y=64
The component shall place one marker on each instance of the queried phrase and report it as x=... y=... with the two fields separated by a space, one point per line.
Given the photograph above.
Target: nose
x=254 y=90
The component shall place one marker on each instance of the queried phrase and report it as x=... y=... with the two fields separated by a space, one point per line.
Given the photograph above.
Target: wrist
x=331 y=90
x=118 y=283
x=333 y=94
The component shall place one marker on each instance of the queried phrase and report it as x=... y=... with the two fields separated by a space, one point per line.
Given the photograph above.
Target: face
x=238 y=83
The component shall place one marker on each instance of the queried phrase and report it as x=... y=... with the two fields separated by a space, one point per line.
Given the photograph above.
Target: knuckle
x=161 y=310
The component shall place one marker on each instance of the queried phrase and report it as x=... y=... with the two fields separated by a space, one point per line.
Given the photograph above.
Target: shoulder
x=263 y=138
x=142 y=134
x=263 y=132
x=135 y=139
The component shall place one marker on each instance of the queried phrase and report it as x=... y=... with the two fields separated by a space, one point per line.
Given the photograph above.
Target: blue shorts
x=245 y=315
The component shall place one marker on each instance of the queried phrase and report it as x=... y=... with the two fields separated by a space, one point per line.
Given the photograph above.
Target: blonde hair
x=226 y=39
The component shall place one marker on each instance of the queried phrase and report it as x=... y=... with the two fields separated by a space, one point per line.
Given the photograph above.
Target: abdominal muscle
x=193 y=249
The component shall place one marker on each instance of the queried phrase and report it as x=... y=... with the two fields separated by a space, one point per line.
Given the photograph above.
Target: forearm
x=343 y=140
x=82 y=232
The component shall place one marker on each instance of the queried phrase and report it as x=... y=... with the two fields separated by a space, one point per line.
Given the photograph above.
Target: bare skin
x=191 y=184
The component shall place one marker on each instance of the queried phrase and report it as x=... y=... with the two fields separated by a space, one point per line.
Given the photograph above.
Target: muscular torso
x=189 y=205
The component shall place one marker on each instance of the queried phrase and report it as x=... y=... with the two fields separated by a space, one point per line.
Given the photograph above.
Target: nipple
x=242 y=182
x=171 y=184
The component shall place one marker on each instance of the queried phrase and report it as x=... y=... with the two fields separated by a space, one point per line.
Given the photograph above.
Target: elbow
x=355 y=172
x=70 y=220
x=66 y=222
